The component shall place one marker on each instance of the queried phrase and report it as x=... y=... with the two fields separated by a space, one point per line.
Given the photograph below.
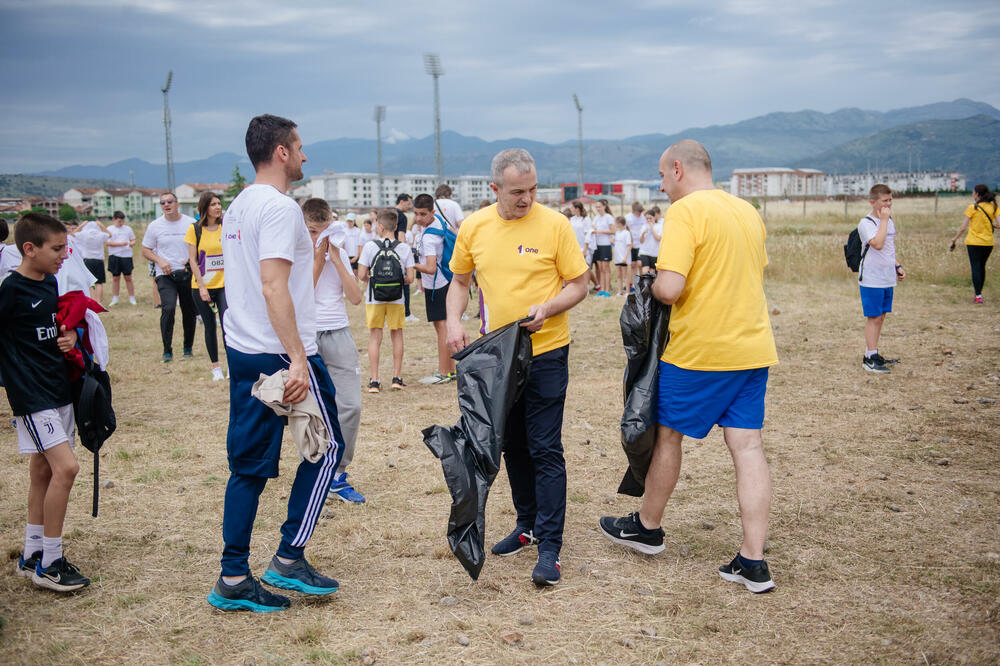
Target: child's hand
x=66 y=340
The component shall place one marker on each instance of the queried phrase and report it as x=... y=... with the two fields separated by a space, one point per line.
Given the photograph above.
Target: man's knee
x=741 y=441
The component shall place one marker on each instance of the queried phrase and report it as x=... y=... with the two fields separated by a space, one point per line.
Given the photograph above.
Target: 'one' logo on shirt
x=522 y=250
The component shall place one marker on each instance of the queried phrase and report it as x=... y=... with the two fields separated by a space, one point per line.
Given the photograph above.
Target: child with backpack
x=436 y=245
x=386 y=265
x=35 y=373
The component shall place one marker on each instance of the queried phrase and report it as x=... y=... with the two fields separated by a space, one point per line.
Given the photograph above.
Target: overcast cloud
x=80 y=79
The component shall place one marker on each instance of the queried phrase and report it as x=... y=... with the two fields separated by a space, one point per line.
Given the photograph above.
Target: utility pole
x=580 y=191
x=379 y=116
x=166 y=126
x=432 y=65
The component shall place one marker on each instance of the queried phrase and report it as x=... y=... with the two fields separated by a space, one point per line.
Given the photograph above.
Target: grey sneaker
x=874 y=364
x=248 y=594
x=298 y=576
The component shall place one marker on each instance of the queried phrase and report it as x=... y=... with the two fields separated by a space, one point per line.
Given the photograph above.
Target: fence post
x=845 y=208
x=935 y=204
x=803 y=207
x=765 y=207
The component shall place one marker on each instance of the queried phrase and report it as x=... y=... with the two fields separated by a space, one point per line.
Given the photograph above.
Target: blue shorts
x=876 y=301
x=692 y=401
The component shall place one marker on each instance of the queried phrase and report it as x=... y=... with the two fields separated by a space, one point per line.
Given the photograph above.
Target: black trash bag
x=94 y=415
x=492 y=373
x=644 y=333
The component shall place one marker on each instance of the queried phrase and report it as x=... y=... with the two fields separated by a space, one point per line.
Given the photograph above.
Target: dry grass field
x=885 y=532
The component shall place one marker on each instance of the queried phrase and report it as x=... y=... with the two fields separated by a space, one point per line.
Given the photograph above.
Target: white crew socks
x=51 y=550
x=870 y=352
x=32 y=540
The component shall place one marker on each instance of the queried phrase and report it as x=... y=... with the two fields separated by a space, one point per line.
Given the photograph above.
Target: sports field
x=885 y=529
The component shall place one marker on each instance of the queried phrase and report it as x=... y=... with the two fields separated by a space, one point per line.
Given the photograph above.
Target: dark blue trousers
x=533 y=452
x=254 y=447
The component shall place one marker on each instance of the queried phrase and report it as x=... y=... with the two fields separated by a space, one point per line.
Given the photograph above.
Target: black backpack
x=95 y=417
x=854 y=253
x=386 y=282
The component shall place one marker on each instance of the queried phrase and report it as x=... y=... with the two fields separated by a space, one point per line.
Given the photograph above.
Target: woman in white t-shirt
x=90 y=238
x=121 y=240
x=604 y=231
x=649 y=242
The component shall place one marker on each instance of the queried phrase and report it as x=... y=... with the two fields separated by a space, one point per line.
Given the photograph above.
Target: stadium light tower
x=379 y=116
x=166 y=126
x=579 y=134
x=432 y=64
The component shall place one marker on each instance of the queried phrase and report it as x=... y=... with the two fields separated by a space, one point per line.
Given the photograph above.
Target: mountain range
x=953 y=135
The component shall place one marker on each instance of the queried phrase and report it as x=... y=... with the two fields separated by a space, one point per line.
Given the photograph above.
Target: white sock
x=51 y=550
x=32 y=540
x=870 y=352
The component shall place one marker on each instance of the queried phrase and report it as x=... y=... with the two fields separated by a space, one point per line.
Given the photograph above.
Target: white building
x=858 y=184
x=632 y=190
x=777 y=182
x=359 y=190
x=189 y=193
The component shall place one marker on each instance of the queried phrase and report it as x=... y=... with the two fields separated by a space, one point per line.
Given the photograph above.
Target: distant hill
x=775 y=139
x=21 y=185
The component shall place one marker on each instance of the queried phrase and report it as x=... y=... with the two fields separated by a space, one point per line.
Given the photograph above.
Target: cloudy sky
x=80 y=79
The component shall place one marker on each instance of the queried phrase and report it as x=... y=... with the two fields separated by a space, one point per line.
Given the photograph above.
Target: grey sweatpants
x=341 y=359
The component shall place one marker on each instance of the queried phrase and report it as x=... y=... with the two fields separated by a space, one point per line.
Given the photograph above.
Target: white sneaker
x=217 y=375
x=131 y=299
x=114 y=301
x=413 y=319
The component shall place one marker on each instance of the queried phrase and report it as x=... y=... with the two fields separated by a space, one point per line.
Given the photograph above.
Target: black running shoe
x=26 y=567
x=886 y=361
x=298 y=576
x=514 y=542
x=757 y=579
x=398 y=383
x=248 y=594
x=547 y=570
x=627 y=531
x=60 y=576
x=874 y=364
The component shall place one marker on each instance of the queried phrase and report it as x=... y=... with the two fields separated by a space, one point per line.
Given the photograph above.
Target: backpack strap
x=443 y=216
x=197 y=235
x=989 y=219
x=864 y=250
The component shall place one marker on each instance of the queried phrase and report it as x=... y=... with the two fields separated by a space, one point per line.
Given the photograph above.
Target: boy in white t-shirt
x=121 y=240
x=877 y=273
x=353 y=244
x=622 y=254
x=435 y=278
x=379 y=313
x=335 y=281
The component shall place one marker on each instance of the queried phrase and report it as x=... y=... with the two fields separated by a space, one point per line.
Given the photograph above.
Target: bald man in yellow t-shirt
x=714 y=368
x=527 y=264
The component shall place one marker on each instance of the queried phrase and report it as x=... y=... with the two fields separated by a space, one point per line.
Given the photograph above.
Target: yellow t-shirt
x=980 y=227
x=209 y=257
x=520 y=263
x=720 y=322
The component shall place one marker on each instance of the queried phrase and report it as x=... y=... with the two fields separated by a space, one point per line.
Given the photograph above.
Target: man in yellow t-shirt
x=527 y=264
x=714 y=368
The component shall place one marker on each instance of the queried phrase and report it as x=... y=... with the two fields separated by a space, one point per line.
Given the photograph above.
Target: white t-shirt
x=353 y=243
x=262 y=223
x=10 y=259
x=452 y=212
x=878 y=266
x=331 y=311
x=649 y=245
x=635 y=223
x=432 y=244
x=583 y=228
x=623 y=239
x=90 y=241
x=120 y=234
x=368 y=253
x=366 y=236
x=604 y=223
x=166 y=239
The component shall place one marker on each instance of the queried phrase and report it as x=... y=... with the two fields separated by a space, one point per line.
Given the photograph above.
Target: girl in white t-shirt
x=622 y=254
x=649 y=242
x=583 y=228
x=604 y=231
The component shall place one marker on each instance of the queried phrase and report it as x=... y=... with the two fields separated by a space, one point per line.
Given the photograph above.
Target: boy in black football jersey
x=32 y=345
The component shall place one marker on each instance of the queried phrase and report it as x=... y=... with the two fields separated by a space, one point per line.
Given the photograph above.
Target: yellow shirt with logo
x=980 y=226
x=720 y=322
x=211 y=247
x=520 y=263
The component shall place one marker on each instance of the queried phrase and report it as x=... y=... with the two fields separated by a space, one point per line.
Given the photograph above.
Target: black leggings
x=217 y=296
x=169 y=296
x=978 y=254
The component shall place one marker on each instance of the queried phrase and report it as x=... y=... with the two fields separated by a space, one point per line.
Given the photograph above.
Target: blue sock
x=746 y=563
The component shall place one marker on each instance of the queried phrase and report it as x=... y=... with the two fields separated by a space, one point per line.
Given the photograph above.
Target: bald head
x=685 y=167
x=690 y=153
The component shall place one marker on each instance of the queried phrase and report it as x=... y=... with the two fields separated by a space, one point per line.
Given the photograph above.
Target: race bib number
x=213 y=263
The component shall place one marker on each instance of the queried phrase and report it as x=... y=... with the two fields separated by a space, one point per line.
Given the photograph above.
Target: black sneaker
x=374 y=386
x=188 y=354
x=60 y=576
x=627 y=531
x=248 y=594
x=298 y=576
x=398 y=383
x=756 y=579
x=547 y=570
x=886 y=361
x=26 y=567
x=514 y=542
x=874 y=364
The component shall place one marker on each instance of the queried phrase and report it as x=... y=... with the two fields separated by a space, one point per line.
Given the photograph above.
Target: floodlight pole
x=379 y=117
x=579 y=134
x=432 y=65
x=166 y=126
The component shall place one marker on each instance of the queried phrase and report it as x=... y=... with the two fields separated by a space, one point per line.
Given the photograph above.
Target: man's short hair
x=878 y=191
x=519 y=158
x=266 y=133
x=443 y=191
x=118 y=215
x=387 y=219
x=316 y=211
x=691 y=154
x=424 y=202
x=36 y=228
x=403 y=197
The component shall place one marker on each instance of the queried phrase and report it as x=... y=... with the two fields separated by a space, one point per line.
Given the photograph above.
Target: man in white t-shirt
x=163 y=244
x=271 y=328
x=435 y=276
x=877 y=273
x=121 y=240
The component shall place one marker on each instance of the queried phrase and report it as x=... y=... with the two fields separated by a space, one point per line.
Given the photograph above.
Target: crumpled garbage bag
x=644 y=334
x=492 y=373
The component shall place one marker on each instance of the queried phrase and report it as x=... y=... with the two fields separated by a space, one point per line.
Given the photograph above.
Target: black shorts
x=119 y=265
x=621 y=264
x=435 y=300
x=354 y=266
x=602 y=253
x=96 y=268
x=647 y=260
x=635 y=254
